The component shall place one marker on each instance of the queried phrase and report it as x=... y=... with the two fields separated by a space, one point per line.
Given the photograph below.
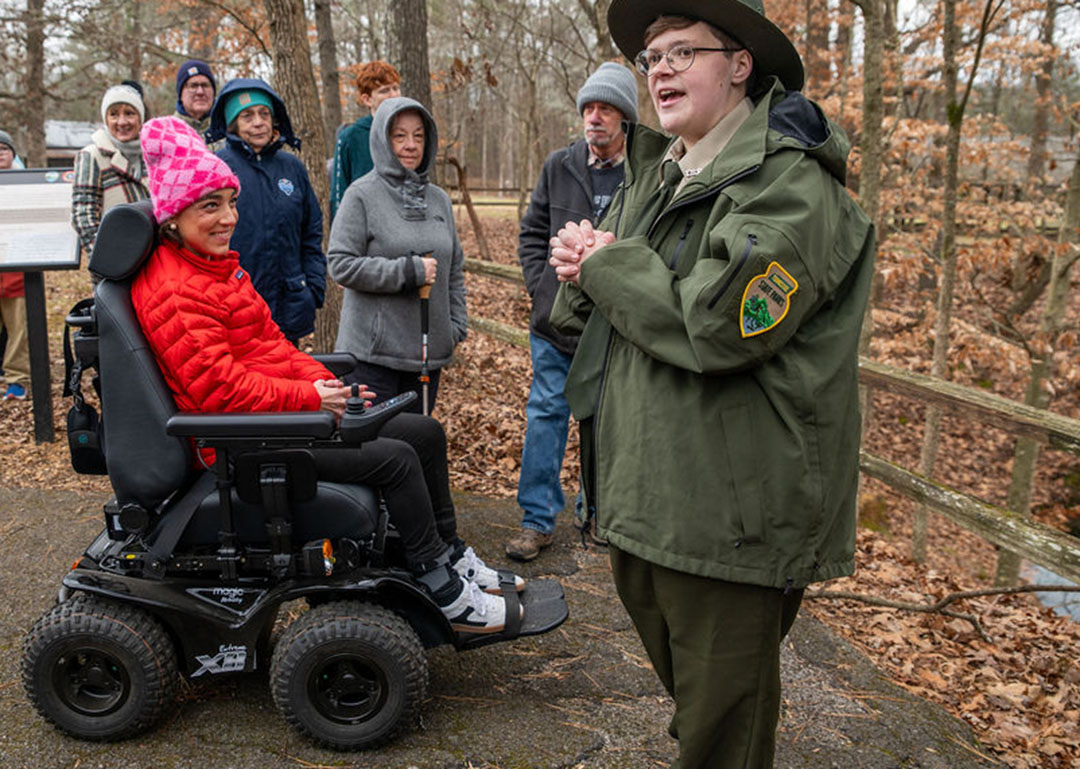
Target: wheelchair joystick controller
x=354 y=404
x=360 y=424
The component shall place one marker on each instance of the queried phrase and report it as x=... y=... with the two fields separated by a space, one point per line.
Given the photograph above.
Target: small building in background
x=63 y=138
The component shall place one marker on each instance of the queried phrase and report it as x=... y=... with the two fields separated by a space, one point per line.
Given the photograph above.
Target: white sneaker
x=475 y=611
x=471 y=567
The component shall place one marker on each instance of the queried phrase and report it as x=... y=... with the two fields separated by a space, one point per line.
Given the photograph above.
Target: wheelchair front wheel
x=97 y=669
x=349 y=674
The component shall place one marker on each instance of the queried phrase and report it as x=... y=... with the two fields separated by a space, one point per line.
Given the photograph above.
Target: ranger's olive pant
x=716 y=647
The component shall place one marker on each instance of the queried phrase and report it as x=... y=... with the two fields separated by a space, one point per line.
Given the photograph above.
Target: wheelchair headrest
x=124 y=240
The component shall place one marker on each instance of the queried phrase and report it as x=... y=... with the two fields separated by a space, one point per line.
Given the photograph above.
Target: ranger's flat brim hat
x=743 y=20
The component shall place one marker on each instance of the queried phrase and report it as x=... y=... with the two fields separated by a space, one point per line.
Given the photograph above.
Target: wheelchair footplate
x=545 y=609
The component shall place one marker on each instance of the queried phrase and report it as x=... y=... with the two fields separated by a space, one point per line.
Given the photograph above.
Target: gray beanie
x=5 y=138
x=612 y=84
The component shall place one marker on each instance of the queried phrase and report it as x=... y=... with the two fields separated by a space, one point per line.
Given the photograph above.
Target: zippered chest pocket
x=687 y=237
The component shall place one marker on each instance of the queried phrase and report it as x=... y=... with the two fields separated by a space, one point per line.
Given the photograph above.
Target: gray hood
x=410 y=185
x=386 y=162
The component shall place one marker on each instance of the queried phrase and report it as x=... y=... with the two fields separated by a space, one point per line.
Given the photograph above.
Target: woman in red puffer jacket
x=219 y=350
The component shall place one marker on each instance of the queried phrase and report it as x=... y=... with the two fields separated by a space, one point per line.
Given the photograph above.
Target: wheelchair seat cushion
x=336 y=510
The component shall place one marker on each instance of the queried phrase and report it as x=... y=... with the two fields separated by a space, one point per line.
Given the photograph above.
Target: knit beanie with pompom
x=180 y=168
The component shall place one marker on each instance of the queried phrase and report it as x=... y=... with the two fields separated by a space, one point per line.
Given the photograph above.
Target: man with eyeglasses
x=576 y=182
x=716 y=375
x=195 y=93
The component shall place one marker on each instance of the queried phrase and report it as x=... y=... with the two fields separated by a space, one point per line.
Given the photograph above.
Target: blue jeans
x=540 y=492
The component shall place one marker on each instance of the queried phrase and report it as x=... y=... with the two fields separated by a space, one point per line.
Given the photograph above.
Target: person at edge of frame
x=715 y=381
x=14 y=343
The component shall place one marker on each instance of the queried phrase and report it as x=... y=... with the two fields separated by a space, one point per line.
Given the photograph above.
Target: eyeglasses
x=680 y=57
x=198 y=87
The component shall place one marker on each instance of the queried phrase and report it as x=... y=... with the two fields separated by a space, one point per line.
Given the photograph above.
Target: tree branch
x=939 y=607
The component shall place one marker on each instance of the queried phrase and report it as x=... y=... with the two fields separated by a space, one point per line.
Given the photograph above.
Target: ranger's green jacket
x=725 y=412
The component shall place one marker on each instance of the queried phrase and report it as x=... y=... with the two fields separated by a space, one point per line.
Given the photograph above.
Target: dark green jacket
x=352 y=159
x=725 y=414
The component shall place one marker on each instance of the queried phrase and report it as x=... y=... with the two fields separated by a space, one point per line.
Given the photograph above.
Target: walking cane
x=425 y=378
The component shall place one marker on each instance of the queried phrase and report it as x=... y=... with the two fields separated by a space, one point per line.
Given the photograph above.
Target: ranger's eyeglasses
x=680 y=57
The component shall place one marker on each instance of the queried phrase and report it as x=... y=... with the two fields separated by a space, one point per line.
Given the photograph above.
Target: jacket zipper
x=681 y=243
x=751 y=241
x=611 y=333
x=706 y=194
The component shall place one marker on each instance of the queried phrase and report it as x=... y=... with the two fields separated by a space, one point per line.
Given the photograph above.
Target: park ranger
x=715 y=378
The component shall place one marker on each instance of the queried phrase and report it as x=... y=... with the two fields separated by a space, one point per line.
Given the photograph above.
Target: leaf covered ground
x=1020 y=692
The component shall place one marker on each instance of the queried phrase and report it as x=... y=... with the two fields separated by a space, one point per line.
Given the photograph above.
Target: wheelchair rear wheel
x=349 y=674
x=99 y=670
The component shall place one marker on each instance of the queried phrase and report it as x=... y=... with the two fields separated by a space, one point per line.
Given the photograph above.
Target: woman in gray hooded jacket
x=393 y=234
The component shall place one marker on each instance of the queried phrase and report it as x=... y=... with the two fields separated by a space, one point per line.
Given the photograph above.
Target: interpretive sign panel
x=35 y=221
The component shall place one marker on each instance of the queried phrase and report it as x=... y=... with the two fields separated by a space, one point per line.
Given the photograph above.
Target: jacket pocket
x=747 y=475
x=674 y=263
x=298 y=312
x=751 y=241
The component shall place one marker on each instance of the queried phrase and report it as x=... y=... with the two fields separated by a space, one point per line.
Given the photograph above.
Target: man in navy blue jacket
x=279 y=232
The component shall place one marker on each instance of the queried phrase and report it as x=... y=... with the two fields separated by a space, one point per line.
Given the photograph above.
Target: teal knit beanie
x=241 y=100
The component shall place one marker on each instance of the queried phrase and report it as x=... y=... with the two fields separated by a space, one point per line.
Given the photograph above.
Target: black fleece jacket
x=563 y=194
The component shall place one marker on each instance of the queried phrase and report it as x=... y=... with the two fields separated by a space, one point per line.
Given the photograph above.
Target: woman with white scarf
x=109 y=170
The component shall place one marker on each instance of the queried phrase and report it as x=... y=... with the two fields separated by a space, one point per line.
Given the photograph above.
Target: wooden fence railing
x=1055 y=550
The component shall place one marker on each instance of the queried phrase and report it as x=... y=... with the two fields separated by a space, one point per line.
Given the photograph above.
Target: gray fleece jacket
x=387 y=219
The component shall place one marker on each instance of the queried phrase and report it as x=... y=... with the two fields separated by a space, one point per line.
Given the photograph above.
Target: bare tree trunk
x=1040 y=124
x=409 y=23
x=204 y=23
x=818 y=75
x=596 y=12
x=485 y=132
x=474 y=219
x=954 y=111
x=136 y=44
x=845 y=24
x=1026 y=453
x=871 y=150
x=328 y=64
x=295 y=81
x=34 y=108
x=528 y=132
x=932 y=436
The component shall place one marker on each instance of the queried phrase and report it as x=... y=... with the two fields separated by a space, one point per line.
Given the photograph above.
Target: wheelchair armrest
x=294 y=424
x=339 y=363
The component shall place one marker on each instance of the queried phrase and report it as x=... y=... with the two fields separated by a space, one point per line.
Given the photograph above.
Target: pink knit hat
x=180 y=167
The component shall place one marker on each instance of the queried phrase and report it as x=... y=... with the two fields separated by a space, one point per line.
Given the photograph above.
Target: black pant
x=388 y=382
x=407 y=464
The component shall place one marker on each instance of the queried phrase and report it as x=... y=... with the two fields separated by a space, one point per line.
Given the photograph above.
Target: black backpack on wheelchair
x=192 y=566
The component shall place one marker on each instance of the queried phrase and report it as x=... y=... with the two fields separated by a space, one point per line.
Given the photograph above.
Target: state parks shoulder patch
x=766 y=300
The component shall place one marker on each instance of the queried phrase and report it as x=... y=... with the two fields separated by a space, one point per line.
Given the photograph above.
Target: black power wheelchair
x=189 y=573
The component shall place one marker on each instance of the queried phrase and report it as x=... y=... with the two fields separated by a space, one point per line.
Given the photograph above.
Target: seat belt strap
x=175 y=521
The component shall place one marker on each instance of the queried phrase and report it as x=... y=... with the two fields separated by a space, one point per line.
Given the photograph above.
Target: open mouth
x=667 y=96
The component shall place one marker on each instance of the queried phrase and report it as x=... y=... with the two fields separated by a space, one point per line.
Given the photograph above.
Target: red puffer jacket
x=11 y=285
x=213 y=337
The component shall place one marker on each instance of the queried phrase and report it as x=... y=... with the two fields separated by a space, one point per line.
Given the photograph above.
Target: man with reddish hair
x=376 y=81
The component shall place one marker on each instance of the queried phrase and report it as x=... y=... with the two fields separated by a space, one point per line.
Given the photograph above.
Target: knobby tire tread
x=129 y=627
x=338 y=620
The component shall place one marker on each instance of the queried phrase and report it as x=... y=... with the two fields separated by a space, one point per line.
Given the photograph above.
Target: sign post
x=36 y=235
